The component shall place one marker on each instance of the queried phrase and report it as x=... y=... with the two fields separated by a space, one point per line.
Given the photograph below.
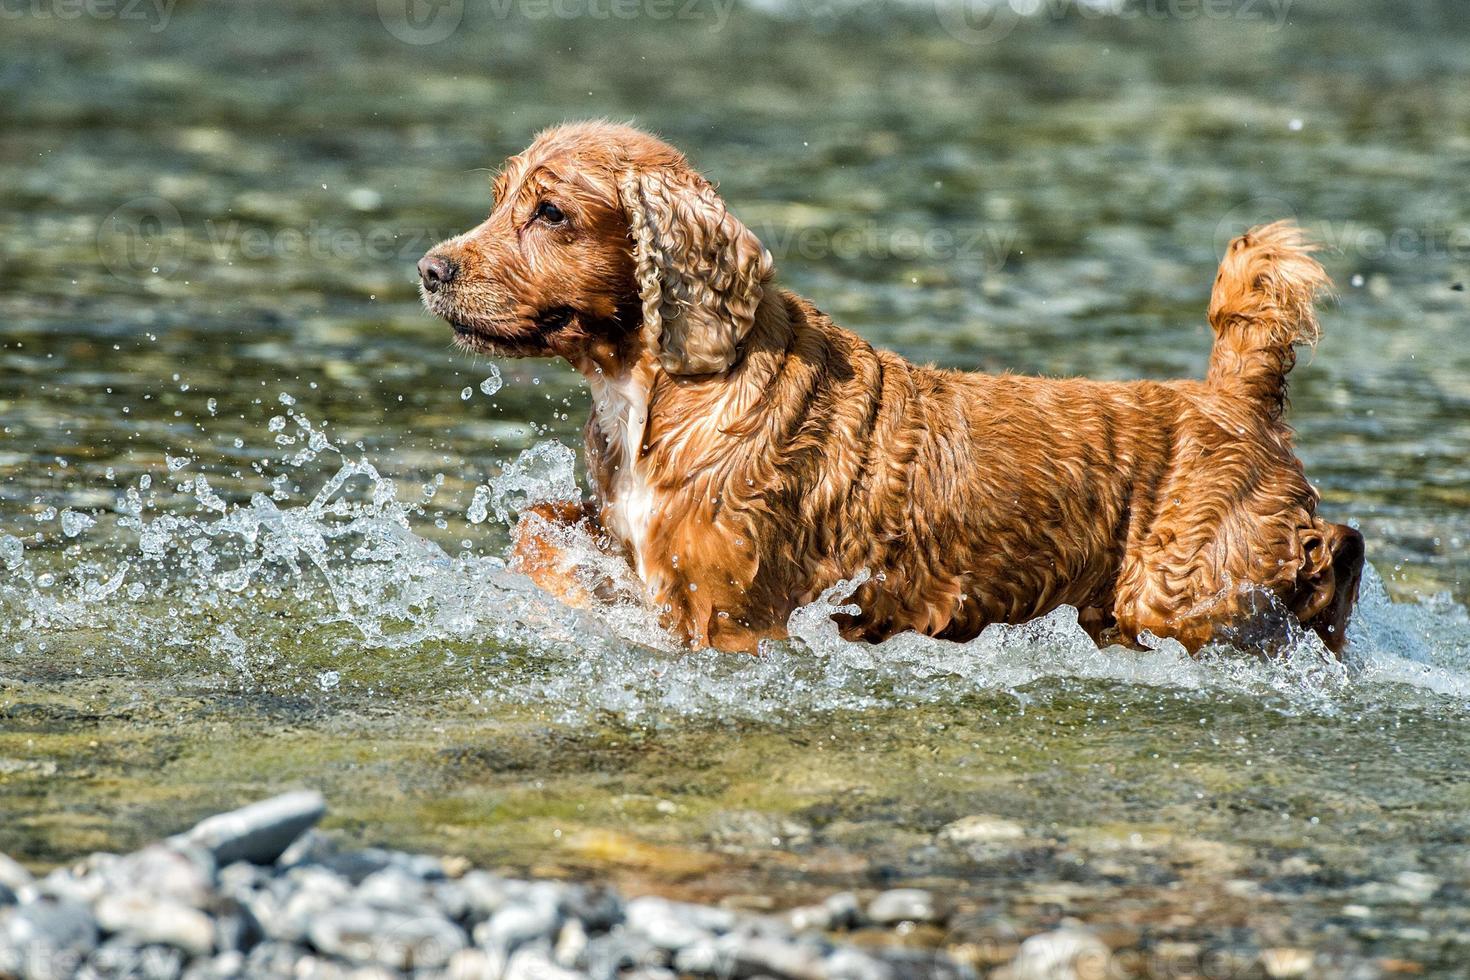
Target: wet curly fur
x=748 y=453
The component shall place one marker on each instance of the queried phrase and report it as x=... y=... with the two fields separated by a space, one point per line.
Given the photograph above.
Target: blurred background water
x=238 y=463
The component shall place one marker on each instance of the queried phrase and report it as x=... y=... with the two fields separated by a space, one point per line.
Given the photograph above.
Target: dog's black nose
x=435 y=271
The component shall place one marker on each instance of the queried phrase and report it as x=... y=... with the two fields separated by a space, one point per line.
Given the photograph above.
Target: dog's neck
x=624 y=375
x=656 y=426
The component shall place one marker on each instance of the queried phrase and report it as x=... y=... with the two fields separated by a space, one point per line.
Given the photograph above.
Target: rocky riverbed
x=258 y=892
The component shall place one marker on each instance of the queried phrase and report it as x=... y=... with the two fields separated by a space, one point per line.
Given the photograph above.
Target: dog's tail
x=1261 y=308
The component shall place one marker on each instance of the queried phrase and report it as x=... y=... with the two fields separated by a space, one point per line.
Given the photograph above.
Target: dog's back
x=1177 y=508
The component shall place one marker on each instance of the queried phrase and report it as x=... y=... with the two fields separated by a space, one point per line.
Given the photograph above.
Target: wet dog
x=749 y=453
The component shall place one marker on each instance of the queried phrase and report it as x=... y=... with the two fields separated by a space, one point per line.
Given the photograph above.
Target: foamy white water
x=288 y=588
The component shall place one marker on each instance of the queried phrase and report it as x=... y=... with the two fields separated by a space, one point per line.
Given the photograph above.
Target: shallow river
x=253 y=506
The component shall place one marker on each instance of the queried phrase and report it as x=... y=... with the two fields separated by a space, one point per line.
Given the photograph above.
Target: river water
x=253 y=507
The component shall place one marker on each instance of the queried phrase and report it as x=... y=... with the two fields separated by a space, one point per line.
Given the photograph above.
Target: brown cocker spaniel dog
x=748 y=453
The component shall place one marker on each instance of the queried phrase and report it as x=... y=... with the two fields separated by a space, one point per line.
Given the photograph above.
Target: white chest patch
x=620 y=405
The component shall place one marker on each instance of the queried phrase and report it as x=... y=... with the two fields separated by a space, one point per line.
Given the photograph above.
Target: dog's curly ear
x=701 y=273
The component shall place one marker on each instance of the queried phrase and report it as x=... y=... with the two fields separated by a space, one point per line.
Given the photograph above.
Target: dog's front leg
x=551 y=547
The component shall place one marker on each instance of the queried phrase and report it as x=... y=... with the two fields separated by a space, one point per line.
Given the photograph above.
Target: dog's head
x=600 y=237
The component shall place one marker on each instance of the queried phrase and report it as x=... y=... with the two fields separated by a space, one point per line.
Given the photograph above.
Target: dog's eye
x=549 y=213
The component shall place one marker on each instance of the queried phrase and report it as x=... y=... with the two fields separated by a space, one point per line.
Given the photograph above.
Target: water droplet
x=493 y=383
x=465 y=395
x=74 y=523
x=479 y=503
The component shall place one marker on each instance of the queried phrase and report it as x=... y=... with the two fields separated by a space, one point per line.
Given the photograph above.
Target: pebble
x=515 y=925
x=258 y=893
x=260 y=832
x=904 y=905
x=12 y=875
x=1284 y=963
x=1068 y=953
x=43 y=939
x=394 y=939
x=673 y=925
x=982 y=829
x=147 y=920
x=534 y=964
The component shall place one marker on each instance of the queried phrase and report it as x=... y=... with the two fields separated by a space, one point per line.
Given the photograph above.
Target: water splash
x=341 y=590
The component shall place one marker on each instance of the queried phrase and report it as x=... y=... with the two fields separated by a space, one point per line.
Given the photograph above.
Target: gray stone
x=184 y=875
x=650 y=973
x=1068 y=953
x=751 y=955
x=46 y=939
x=274 y=959
x=665 y=924
x=13 y=875
x=449 y=897
x=846 y=911
x=610 y=954
x=571 y=944
x=840 y=911
x=484 y=893
x=534 y=964
x=235 y=928
x=241 y=877
x=473 y=964
x=742 y=830
x=393 y=888
x=515 y=925
x=312 y=847
x=904 y=905
x=398 y=940
x=229 y=965
x=260 y=832
x=66 y=885
x=846 y=963
x=148 y=920
x=122 y=957
x=597 y=907
x=705 y=956
x=311 y=892
x=982 y=828
x=651 y=911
